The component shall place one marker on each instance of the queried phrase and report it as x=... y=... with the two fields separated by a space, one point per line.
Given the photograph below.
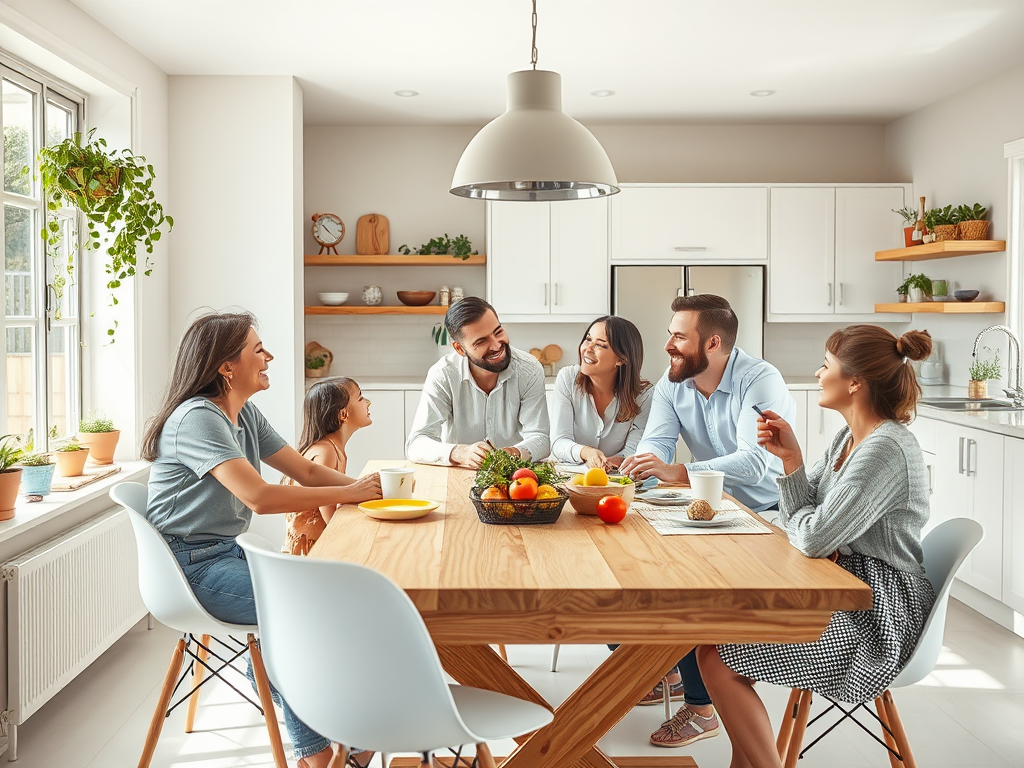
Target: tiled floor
x=969 y=712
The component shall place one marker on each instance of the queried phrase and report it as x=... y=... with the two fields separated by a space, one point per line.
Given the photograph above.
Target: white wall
x=953 y=151
x=236 y=190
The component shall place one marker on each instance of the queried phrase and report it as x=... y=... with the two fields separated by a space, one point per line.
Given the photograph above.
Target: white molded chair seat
x=349 y=695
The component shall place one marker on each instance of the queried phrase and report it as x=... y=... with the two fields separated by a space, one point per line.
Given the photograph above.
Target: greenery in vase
x=96 y=422
x=36 y=460
x=459 y=248
x=977 y=212
x=908 y=214
x=921 y=281
x=70 y=446
x=439 y=333
x=983 y=370
x=937 y=217
x=114 y=190
x=315 y=362
x=10 y=451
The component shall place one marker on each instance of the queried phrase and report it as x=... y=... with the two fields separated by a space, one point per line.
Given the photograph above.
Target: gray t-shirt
x=184 y=499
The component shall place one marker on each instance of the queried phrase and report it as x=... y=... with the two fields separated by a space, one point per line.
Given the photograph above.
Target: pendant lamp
x=534 y=152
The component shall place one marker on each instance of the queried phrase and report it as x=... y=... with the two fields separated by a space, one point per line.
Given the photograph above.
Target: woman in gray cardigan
x=863 y=505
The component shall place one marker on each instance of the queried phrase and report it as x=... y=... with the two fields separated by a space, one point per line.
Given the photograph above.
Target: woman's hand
x=593 y=457
x=776 y=436
x=363 y=489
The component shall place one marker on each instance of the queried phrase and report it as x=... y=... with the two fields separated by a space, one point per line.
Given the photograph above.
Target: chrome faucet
x=1015 y=392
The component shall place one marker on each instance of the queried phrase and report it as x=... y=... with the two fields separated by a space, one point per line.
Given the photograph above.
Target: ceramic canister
x=372 y=295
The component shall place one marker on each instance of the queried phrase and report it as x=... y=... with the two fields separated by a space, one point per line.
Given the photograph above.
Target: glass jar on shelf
x=457 y=294
x=445 y=295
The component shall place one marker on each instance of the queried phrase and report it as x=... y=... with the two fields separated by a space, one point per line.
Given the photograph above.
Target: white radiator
x=68 y=600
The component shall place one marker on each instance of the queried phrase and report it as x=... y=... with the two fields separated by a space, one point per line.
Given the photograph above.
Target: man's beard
x=682 y=368
x=496 y=366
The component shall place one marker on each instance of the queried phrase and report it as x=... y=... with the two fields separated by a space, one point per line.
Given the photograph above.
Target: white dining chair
x=945 y=548
x=169 y=598
x=349 y=696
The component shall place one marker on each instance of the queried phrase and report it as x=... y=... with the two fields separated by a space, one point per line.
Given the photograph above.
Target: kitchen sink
x=967 y=404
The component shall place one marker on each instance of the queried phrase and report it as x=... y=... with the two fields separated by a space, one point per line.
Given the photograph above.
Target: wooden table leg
x=589 y=713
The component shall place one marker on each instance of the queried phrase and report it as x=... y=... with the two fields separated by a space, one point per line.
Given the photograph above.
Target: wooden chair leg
x=889 y=741
x=799 y=728
x=339 y=758
x=899 y=734
x=502 y=653
x=788 y=719
x=484 y=757
x=157 y=723
x=269 y=715
x=197 y=677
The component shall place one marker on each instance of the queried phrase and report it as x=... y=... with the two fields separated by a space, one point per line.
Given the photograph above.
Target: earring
x=227 y=380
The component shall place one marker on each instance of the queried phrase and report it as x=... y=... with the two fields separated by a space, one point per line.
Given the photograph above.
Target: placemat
x=665 y=520
x=89 y=475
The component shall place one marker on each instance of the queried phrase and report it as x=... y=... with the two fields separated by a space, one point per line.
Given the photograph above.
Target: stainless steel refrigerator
x=644 y=295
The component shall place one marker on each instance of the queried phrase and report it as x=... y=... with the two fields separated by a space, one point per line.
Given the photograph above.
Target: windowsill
x=29 y=515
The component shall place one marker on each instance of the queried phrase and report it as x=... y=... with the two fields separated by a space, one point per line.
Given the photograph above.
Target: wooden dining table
x=579 y=580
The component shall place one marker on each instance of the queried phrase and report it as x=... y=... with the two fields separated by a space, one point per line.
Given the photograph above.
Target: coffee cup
x=707 y=484
x=397 y=482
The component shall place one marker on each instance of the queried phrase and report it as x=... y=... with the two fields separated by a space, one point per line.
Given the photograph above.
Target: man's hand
x=646 y=465
x=470 y=456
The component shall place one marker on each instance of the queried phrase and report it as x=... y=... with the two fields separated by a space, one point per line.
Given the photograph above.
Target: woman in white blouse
x=600 y=406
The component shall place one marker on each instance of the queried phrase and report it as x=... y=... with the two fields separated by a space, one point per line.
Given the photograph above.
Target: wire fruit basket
x=518 y=512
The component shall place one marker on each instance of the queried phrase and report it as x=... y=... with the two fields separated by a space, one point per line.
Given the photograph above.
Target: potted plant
x=942 y=222
x=71 y=458
x=38 y=473
x=458 y=248
x=114 y=190
x=439 y=333
x=980 y=372
x=10 y=475
x=901 y=292
x=918 y=288
x=970 y=223
x=96 y=432
x=909 y=216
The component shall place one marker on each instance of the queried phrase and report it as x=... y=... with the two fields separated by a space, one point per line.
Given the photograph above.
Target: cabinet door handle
x=931 y=479
x=960 y=458
x=841 y=293
x=556 y=294
x=821 y=420
x=691 y=248
x=970 y=463
x=829 y=295
x=545 y=294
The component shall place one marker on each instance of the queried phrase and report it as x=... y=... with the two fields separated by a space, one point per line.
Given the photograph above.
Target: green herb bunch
x=977 y=212
x=95 y=422
x=72 y=445
x=908 y=214
x=315 y=362
x=459 y=248
x=940 y=216
x=983 y=370
x=498 y=466
x=10 y=451
x=36 y=460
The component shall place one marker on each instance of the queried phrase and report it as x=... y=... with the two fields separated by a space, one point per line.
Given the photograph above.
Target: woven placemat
x=89 y=475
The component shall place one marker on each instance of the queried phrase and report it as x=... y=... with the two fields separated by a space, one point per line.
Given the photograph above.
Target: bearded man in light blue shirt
x=706 y=397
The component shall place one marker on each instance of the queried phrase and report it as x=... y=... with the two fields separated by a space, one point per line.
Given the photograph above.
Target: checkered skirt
x=861 y=652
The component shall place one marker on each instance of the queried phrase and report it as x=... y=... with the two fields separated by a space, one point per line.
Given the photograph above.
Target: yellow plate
x=398 y=509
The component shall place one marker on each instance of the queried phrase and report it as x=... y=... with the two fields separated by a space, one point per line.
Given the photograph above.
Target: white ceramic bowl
x=584 y=498
x=332 y=299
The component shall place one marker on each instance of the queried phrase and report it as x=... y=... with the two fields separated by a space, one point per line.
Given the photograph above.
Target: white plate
x=722 y=518
x=398 y=509
x=666 y=497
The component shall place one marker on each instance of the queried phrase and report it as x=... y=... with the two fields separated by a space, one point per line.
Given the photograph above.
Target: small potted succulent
x=980 y=372
x=970 y=223
x=96 y=432
x=909 y=216
x=10 y=475
x=71 y=458
x=918 y=288
x=38 y=473
x=942 y=222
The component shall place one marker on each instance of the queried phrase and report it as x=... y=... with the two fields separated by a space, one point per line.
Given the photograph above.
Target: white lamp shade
x=534 y=151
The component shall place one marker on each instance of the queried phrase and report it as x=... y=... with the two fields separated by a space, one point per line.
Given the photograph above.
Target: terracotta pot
x=318 y=373
x=908 y=237
x=10 y=481
x=977 y=390
x=101 y=445
x=71 y=463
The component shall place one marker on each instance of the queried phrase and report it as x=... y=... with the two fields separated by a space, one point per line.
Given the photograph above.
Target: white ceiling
x=668 y=61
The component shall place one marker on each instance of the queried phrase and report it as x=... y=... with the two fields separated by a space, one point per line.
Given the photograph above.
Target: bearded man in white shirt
x=482 y=396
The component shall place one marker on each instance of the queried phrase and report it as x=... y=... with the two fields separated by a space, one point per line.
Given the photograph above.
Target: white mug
x=707 y=484
x=397 y=482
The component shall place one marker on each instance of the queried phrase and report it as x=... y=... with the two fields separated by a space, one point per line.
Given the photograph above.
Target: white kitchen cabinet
x=548 y=261
x=803 y=247
x=969 y=483
x=800 y=422
x=865 y=223
x=680 y=224
x=412 y=402
x=385 y=438
x=1013 y=523
x=822 y=426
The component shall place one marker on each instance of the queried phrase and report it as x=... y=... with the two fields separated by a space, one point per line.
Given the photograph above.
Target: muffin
x=700 y=510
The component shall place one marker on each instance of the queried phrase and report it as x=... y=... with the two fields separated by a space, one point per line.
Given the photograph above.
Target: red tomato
x=519 y=474
x=611 y=509
x=523 y=489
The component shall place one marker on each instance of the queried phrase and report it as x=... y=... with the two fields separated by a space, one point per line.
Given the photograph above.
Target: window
x=1014 y=153
x=41 y=343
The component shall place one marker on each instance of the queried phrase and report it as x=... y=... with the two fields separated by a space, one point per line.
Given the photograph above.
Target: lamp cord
x=533 y=20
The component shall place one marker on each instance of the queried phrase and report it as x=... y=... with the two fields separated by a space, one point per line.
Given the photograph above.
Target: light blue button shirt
x=721 y=430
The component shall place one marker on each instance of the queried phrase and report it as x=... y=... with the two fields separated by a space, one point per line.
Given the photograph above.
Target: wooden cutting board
x=372 y=238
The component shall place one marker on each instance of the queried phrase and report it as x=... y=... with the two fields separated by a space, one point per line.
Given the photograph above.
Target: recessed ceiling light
x=602 y=94
x=761 y=93
x=407 y=94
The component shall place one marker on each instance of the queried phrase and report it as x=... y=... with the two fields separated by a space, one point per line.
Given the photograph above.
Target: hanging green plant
x=114 y=191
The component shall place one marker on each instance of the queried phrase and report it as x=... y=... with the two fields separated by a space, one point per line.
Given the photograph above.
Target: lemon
x=578 y=480
x=595 y=476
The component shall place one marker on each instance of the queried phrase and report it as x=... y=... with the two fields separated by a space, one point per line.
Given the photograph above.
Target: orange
x=546 y=492
x=523 y=489
x=494 y=493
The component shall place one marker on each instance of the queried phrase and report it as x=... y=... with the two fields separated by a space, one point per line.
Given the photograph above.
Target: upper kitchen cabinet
x=548 y=261
x=690 y=224
x=823 y=243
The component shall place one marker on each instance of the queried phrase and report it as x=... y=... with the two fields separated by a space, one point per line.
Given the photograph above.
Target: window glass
x=21 y=382
x=61 y=365
x=19 y=138
x=20 y=239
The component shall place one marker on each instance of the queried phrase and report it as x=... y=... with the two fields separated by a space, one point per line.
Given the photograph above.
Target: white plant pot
x=915 y=295
x=444 y=349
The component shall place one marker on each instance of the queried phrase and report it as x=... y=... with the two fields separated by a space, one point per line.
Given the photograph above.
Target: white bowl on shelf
x=332 y=299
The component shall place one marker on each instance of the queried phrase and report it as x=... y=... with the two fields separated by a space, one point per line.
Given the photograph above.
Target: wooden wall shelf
x=942 y=250
x=946 y=307
x=393 y=261
x=377 y=310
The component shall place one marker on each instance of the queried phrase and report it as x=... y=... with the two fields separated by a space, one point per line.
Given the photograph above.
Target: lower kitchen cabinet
x=800 y=422
x=969 y=476
x=385 y=438
x=822 y=426
x=1013 y=523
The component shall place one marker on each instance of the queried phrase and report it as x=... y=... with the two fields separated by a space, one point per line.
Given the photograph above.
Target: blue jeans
x=219 y=576
x=694 y=691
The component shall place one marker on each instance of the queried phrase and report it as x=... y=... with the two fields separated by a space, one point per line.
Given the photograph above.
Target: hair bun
x=916 y=345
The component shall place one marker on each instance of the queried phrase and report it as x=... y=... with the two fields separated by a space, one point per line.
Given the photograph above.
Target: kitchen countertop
x=405 y=383
x=1009 y=423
